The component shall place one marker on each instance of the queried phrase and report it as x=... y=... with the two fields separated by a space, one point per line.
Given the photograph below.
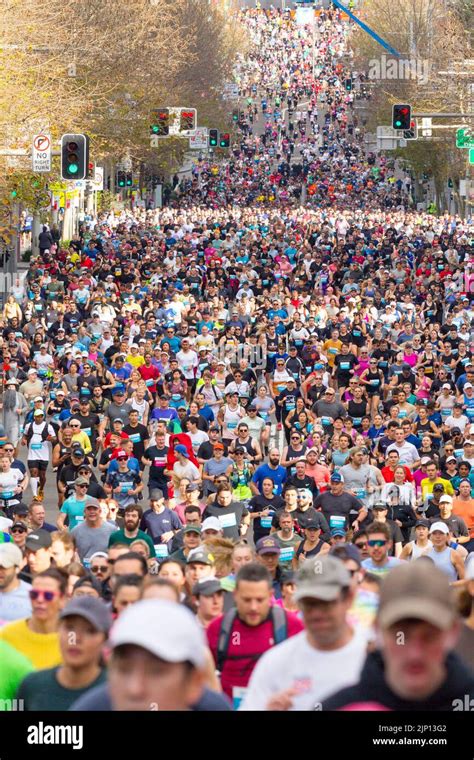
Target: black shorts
x=37 y=464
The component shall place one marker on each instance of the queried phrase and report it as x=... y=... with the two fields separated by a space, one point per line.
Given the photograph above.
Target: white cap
x=211 y=523
x=32 y=371
x=446 y=498
x=441 y=526
x=467 y=385
x=447 y=386
x=10 y=556
x=165 y=629
x=38 y=398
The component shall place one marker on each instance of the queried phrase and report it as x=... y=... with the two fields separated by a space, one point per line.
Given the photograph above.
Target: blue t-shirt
x=265 y=471
x=156 y=524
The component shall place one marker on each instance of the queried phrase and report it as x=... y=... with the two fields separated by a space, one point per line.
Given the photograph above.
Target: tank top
x=356 y=411
x=231 y=420
x=312 y=552
x=442 y=560
x=417 y=552
x=295 y=455
x=374 y=380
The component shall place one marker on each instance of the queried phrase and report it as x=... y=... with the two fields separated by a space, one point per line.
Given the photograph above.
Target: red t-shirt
x=389 y=476
x=149 y=373
x=245 y=642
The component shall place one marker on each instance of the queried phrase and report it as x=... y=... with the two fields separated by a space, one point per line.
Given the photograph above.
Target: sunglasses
x=19 y=530
x=377 y=542
x=83 y=485
x=74 y=426
x=99 y=568
x=48 y=596
x=9 y=451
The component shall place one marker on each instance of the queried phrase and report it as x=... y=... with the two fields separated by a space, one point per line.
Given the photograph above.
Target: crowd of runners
x=257 y=407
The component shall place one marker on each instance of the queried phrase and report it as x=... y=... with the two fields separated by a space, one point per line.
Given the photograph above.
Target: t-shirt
x=278 y=476
x=15 y=605
x=381 y=570
x=74 y=509
x=229 y=517
x=119 y=537
x=245 y=640
x=42 y=691
x=90 y=540
x=336 y=509
x=157 y=523
x=41 y=649
x=315 y=673
x=15 y=666
x=465 y=510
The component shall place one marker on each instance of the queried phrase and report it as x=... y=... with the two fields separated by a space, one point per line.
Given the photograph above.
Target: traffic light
x=160 y=123
x=224 y=142
x=450 y=183
x=187 y=120
x=348 y=84
x=74 y=156
x=213 y=138
x=401 y=116
x=129 y=179
x=90 y=170
x=412 y=133
x=121 y=179
x=235 y=114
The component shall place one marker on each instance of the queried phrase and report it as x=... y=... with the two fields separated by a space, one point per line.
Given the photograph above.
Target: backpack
x=44 y=433
x=280 y=632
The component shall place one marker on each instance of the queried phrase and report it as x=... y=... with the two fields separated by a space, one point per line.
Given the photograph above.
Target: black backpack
x=29 y=434
x=280 y=633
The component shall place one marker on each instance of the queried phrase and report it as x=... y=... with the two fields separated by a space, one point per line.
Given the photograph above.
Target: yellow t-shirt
x=332 y=348
x=136 y=361
x=84 y=440
x=41 y=649
x=427 y=486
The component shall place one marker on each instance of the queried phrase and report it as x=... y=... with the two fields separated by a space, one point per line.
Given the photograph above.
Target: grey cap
x=207 y=587
x=92 y=502
x=322 y=578
x=95 y=611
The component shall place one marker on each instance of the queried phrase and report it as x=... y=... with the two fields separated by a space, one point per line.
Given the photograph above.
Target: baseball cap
x=211 y=523
x=422 y=523
x=40 y=539
x=118 y=389
x=267 y=545
x=336 y=477
x=80 y=481
x=78 y=451
x=31 y=371
x=346 y=551
x=219 y=446
x=19 y=524
x=122 y=454
x=207 y=587
x=38 y=412
x=379 y=506
x=446 y=498
x=438 y=487
x=95 y=611
x=119 y=419
x=321 y=578
x=165 y=629
x=92 y=502
x=10 y=556
x=338 y=532
x=192 y=487
x=38 y=398
x=181 y=449
x=20 y=509
x=201 y=556
x=468 y=385
x=416 y=590
x=451 y=459
x=192 y=529
x=446 y=386
x=441 y=526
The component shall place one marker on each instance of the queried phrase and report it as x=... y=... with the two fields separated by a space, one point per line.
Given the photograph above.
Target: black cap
x=89 y=580
x=95 y=611
x=40 y=539
x=207 y=587
x=423 y=523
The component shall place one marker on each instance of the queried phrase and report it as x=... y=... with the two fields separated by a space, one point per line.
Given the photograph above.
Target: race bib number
x=287 y=554
x=337 y=521
x=266 y=521
x=228 y=521
x=238 y=693
x=161 y=550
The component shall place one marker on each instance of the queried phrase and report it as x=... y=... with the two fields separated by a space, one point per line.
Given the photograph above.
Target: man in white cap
x=211 y=528
x=33 y=386
x=14 y=593
x=158 y=662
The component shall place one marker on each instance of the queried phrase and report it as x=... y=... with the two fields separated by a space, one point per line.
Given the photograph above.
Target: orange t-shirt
x=465 y=509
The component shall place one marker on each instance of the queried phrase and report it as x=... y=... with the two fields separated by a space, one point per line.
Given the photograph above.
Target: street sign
x=471 y=155
x=231 y=91
x=42 y=153
x=464 y=138
x=200 y=139
x=387 y=132
x=98 y=181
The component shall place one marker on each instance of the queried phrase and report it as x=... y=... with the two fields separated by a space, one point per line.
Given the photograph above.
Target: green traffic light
x=155 y=128
x=14 y=193
x=73 y=168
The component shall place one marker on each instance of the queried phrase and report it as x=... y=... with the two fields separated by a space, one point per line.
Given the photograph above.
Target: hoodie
x=373 y=688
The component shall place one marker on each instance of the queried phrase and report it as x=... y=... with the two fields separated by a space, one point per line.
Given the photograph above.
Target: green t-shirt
x=74 y=509
x=15 y=666
x=119 y=537
x=41 y=691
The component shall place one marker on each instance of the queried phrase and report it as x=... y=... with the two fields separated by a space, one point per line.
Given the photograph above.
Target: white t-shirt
x=187 y=361
x=39 y=449
x=197 y=438
x=317 y=674
x=188 y=470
